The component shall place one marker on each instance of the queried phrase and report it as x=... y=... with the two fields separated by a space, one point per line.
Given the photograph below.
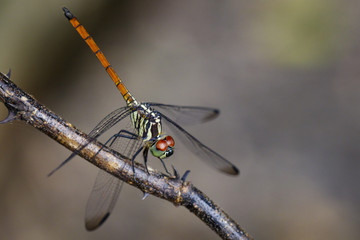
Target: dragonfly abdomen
x=98 y=53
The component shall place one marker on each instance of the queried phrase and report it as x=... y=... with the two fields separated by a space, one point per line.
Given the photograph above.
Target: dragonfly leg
x=121 y=133
x=116 y=136
x=145 y=154
x=133 y=159
x=129 y=135
x=177 y=176
x=176 y=173
x=164 y=166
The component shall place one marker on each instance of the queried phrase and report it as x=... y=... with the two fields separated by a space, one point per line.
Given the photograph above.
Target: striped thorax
x=146 y=122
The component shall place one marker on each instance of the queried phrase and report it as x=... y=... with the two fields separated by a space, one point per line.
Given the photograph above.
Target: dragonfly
x=145 y=134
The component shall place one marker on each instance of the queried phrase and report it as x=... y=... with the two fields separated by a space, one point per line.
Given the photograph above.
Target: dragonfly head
x=163 y=147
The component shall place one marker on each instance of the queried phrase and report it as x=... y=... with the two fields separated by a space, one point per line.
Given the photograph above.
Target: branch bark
x=22 y=106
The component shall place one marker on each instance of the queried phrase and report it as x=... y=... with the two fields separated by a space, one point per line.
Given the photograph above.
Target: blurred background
x=283 y=73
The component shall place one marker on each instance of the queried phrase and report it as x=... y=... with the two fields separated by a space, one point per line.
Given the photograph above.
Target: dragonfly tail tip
x=67 y=13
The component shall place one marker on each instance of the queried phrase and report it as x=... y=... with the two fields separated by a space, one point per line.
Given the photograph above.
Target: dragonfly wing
x=202 y=151
x=186 y=115
x=107 y=187
x=104 y=125
x=109 y=121
x=102 y=199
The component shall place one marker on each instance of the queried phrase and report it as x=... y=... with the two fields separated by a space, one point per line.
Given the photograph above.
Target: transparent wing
x=105 y=124
x=199 y=149
x=102 y=199
x=186 y=115
x=107 y=187
x=109 y=121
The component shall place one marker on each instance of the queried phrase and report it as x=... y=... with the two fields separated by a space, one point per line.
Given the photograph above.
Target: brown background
x=283 y=73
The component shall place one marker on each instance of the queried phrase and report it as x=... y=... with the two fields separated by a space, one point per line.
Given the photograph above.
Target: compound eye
x=161 y=145
x=170 y=141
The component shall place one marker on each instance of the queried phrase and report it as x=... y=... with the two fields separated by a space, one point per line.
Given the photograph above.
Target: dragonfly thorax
x=146 y=122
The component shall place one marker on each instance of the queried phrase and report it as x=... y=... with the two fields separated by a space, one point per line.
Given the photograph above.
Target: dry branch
x=22 y=106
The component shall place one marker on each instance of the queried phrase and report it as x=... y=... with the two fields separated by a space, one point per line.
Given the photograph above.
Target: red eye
x=161 y=145
x=170 y=141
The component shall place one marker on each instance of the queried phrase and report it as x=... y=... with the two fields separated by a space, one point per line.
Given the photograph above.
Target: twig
x=22 y=106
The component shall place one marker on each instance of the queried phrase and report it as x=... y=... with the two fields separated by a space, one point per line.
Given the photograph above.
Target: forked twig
x=22 y=106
